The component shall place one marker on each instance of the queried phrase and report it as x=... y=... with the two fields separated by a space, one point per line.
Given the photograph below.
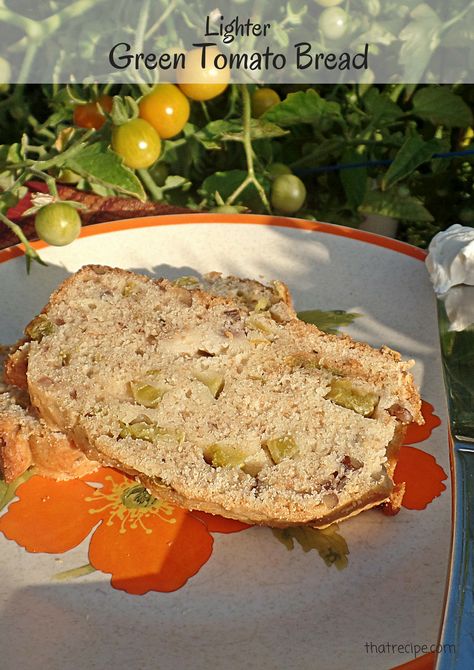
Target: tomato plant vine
x=398 y=151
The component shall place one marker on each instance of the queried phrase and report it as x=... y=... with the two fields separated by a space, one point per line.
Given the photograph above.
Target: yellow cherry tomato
x=166 y=108
x=137 y=142
x=203 y=83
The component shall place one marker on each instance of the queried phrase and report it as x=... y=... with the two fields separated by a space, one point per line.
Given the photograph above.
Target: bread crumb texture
x=219 y=403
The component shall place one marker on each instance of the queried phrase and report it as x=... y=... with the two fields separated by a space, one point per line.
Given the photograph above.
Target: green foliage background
x=312 y=130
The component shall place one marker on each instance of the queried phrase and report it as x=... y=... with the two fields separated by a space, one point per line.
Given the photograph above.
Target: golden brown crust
x=25 y=441
x=16 y=365
x=15 y=452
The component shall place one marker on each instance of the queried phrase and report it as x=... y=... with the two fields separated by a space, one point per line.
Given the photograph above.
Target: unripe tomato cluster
x=163 y=112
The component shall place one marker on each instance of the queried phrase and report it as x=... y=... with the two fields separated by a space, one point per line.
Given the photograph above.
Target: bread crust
x=25 y=441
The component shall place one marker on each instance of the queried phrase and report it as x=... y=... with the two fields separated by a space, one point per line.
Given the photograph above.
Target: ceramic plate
x=91 y=582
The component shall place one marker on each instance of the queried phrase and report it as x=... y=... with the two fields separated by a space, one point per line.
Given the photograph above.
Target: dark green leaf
x=354 y=180
x=381 y=109
x=302 y=107
x=414 y=151
x=97 y=162
x=328 y=320
x=442 y=107
x=319 y=153
x=390 y=203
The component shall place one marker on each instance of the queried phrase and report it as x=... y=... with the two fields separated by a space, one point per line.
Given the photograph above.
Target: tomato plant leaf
x=211 y=135
x=259 y=129
x=10 y=153
x=319 y=153
x=96 y=162
x=328 y=320
x=419 y=39
x=216 y=132
x=354 y=180
x=302 y=107
x=381 y=109
x=442 y=107
x=412 y=153
x=225 y=184
x=391 y=203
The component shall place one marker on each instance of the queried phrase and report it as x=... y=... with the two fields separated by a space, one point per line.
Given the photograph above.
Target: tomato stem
x=171 y=7
x=48 y=179
x=247 y=141
x=153 y=189
x=30 y=253
x=205 y=111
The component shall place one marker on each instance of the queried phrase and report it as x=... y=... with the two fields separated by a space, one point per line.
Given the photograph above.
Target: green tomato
x=225 y=209
x=263 y=99
x=288 y=194
x=333 y=23
x=277 y=169
x=137 y=142
x=328 y=3
x=58 y=224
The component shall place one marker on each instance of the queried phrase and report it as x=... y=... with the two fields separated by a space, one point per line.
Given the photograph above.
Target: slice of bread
x=252 y=415
x=25 y=440
x=248 y=293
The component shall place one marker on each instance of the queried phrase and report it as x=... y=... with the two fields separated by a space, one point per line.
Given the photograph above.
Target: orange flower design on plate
x=146 y=544
x=421 y=473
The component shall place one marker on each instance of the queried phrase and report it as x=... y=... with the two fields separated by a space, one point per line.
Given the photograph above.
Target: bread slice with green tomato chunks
x=252 y=415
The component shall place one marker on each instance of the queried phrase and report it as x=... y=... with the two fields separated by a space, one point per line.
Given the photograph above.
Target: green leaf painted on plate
x=8 y=491
x=328 y=320
x=74 y=573
x=329 y=544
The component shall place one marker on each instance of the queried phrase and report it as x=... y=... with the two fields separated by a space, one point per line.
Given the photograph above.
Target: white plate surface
x=254 y=605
